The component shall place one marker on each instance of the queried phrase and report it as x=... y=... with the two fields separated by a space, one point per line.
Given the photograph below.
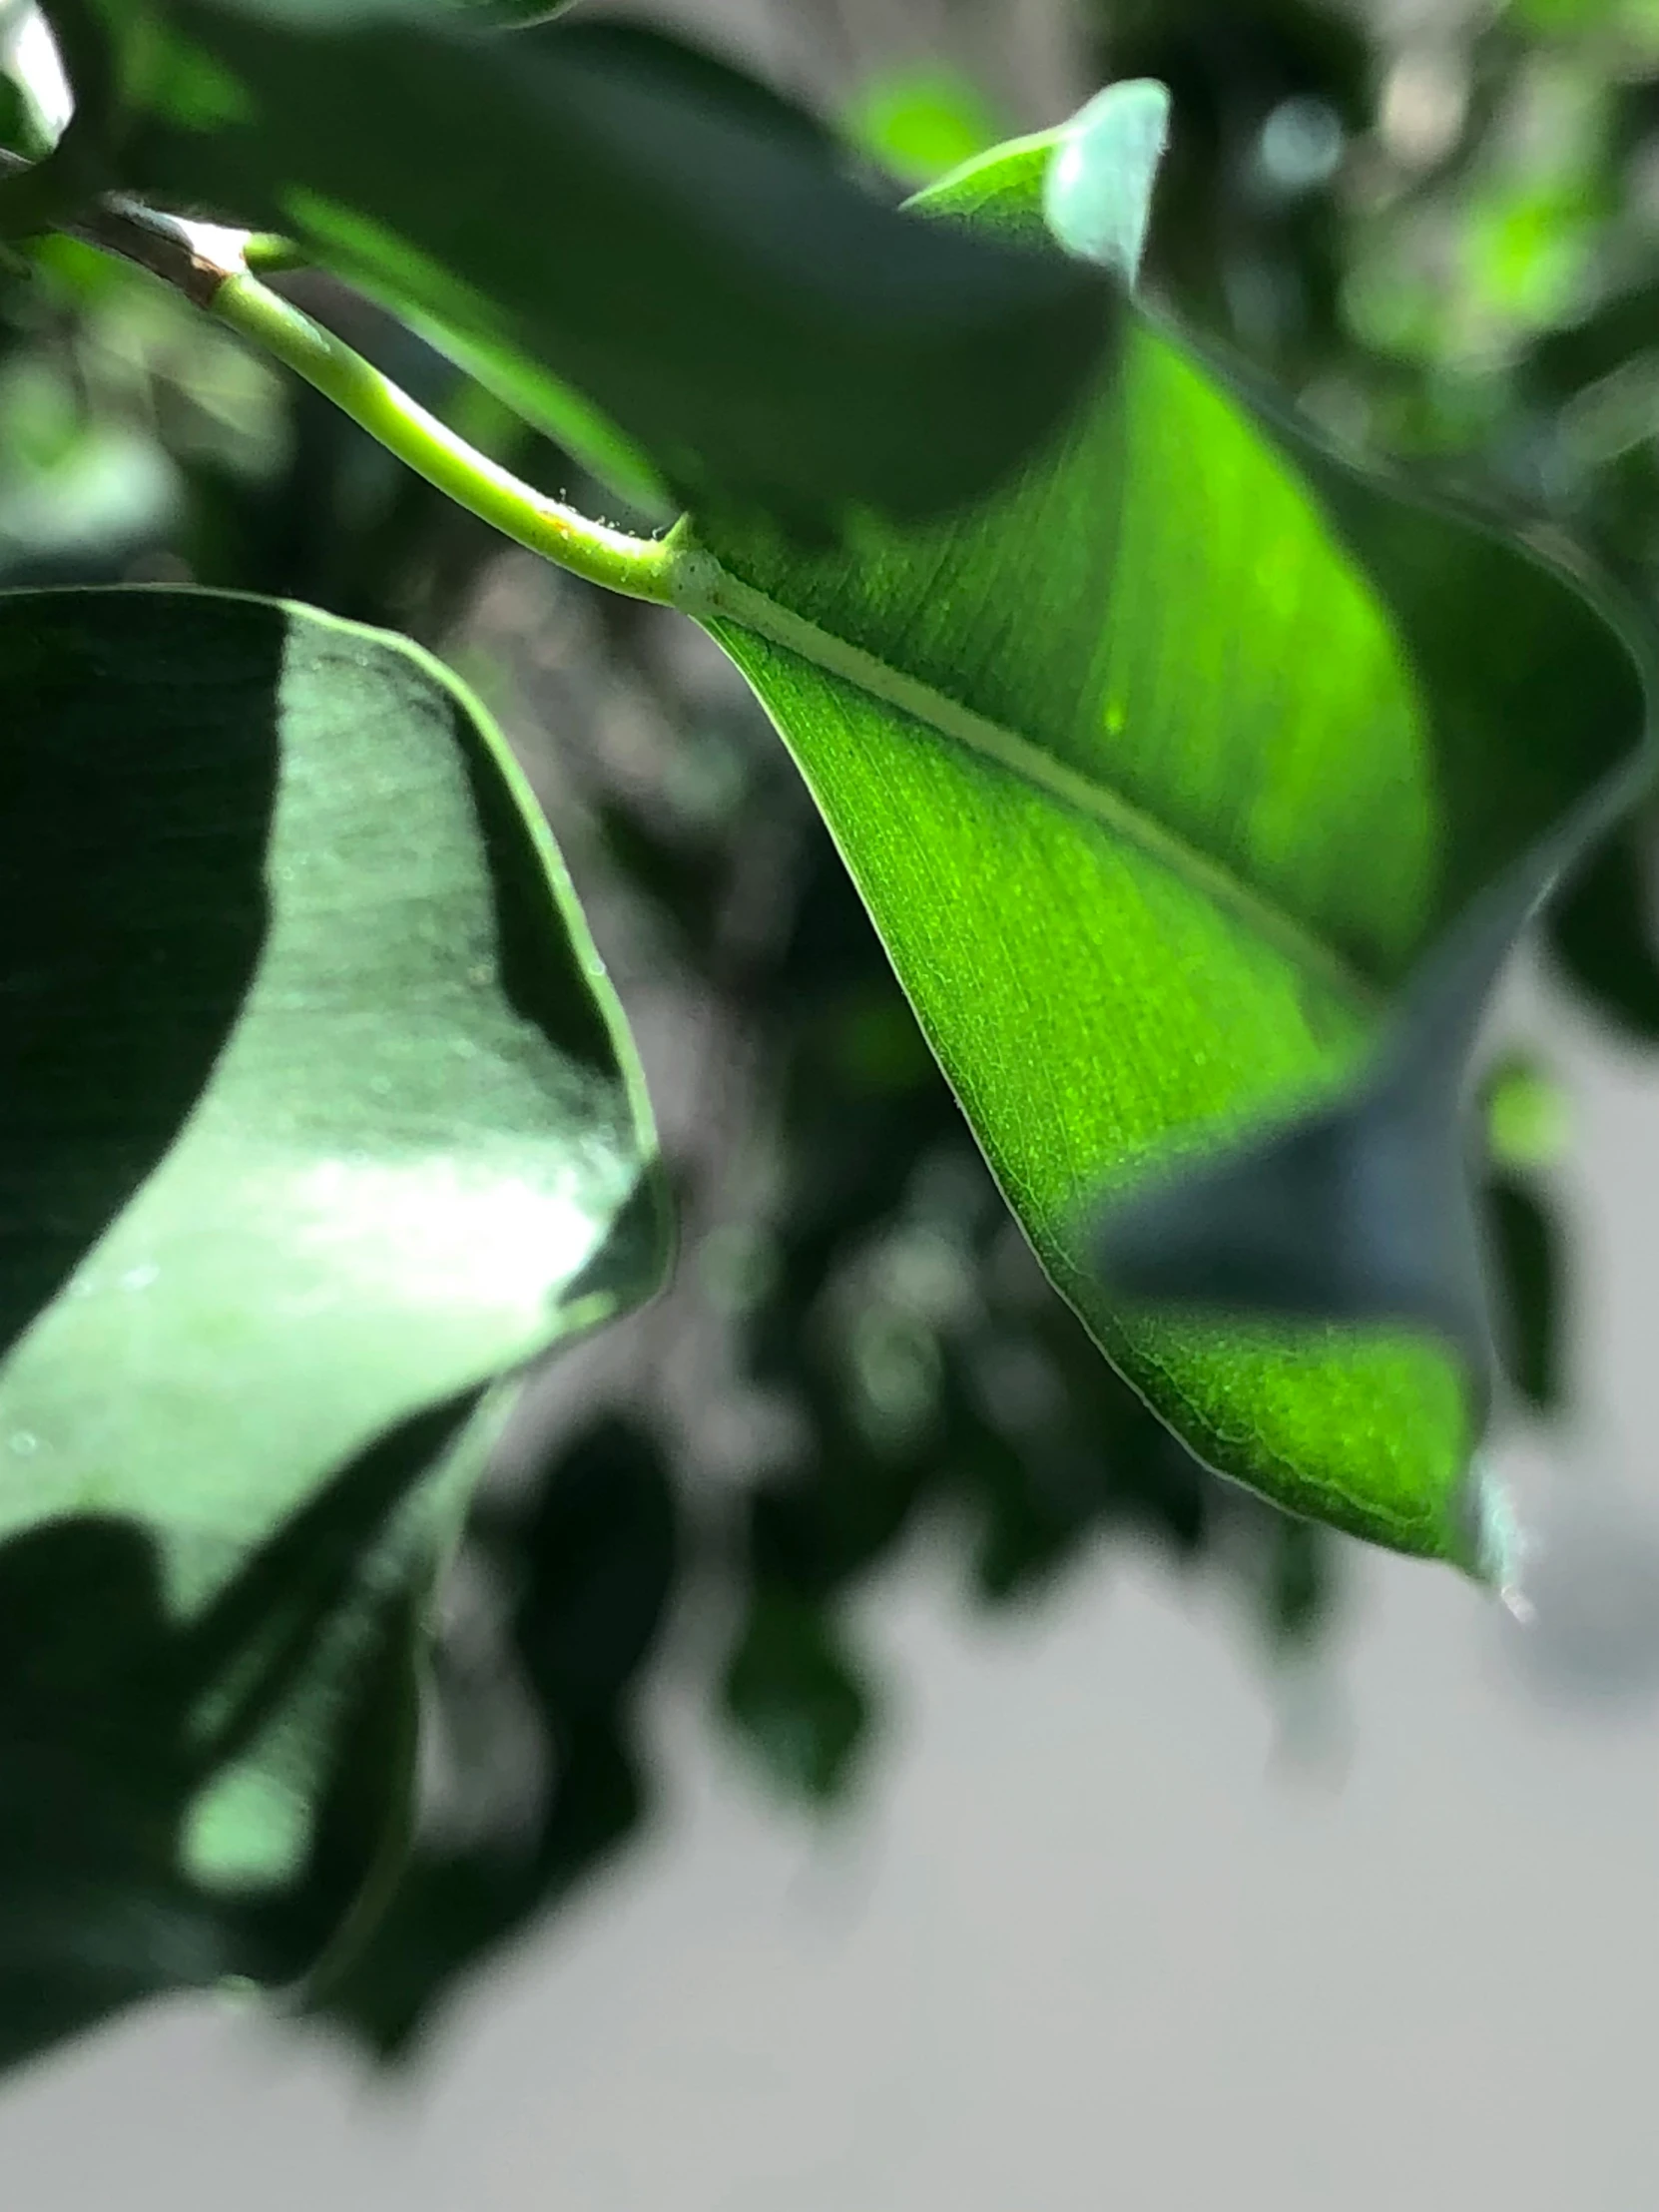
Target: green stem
x=185 y=257
x=640 y=568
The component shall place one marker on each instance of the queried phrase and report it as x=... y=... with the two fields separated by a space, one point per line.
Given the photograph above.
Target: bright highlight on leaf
x=1120 y=135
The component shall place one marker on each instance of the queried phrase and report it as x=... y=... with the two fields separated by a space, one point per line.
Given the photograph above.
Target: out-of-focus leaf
x=1600 y=931
x=326 y=15
x=31 y=110
x=587 y=1577
x=778 y=335
x=1613 y=334
x=917 y=124
x=320 y=1118
x=1161 y=775
x=1524 y=1243
x=1563 y=17
x=73 y=168
x=1524 y=1114
x=794 y=1695
x=1300 y=1582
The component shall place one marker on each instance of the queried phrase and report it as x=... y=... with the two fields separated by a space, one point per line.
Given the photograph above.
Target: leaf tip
x=1097 y=194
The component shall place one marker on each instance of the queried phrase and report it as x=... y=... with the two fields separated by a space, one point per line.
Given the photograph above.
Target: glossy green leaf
x=1360 y=1209
x=1160 y=775
x=318 y=1119
x=599 y=205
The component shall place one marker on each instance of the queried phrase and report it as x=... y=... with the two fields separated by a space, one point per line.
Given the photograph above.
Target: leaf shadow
x=133 y=902
x=114 y=1717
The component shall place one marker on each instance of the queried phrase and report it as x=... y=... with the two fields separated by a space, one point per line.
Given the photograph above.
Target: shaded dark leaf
x=1527 y=1258
x=587 y=1575
x=593 y=1567
x=1300 y=1589
x=794 y=1695
x=779 y=336
x=1601 y=932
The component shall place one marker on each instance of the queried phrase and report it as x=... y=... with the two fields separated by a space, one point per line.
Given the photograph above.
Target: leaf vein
x=711 y=593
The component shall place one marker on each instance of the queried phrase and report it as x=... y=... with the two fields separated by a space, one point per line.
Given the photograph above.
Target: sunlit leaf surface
x=1160 y=775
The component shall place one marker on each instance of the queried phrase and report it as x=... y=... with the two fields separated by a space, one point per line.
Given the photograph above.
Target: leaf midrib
x=709 y=592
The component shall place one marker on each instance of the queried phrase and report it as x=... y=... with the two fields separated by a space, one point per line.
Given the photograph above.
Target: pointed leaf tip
x=1097 y=194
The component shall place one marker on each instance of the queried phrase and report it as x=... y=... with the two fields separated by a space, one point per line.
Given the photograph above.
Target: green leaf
x=1362 y=1209
x=1525 y=1115
x=1160 y=776
x=601 y=206
x=319 y=1119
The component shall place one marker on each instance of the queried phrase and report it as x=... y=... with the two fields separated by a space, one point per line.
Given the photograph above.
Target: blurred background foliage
x=1434 y=224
